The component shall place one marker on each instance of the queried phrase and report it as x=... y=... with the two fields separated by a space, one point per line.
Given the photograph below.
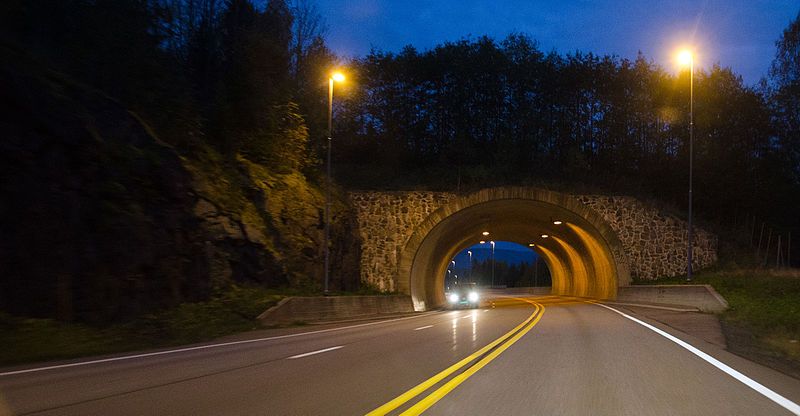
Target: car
x=464 y=295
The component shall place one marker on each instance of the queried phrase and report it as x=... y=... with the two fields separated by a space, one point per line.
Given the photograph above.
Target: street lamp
x=469 y=252
x=338 y=77
x=685 y=57
x=492 y=243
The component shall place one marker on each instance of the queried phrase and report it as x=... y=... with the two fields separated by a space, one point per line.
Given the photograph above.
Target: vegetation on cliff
x=160 y=152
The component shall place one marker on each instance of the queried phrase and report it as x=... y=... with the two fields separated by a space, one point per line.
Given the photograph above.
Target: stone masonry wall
x=654 y=243
x=386 y=220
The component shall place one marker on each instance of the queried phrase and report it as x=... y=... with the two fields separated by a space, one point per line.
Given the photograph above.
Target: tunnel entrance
x=580 y=250
x=497 y=264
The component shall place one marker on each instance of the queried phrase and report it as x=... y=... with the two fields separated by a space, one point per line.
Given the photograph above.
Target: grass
x=230 y=311
x=763 y=321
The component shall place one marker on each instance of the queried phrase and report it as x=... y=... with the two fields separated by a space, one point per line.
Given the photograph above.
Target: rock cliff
x=101 y=221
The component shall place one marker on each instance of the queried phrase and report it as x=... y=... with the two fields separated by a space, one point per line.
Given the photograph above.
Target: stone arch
x=584 y=254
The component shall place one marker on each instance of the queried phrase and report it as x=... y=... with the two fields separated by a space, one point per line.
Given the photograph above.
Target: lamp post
x=492 y=243
x=470 y=265
x=338 y=77
x=686 y=57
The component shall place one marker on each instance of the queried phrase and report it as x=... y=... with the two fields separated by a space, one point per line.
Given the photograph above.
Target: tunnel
x=581 y=250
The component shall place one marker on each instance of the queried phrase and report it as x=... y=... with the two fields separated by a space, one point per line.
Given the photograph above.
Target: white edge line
x=423 y=327
x=315 y=352
x=201 y=347
x=760 y=388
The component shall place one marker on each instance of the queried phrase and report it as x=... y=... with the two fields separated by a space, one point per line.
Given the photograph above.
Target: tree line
x=239 y=76
x=509 y=274
x=134 y=128
x=250 y=78
x=480 y=112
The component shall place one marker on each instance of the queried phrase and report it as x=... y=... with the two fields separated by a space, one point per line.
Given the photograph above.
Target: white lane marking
x=749 y=382
x=203 y=347
x=423 y=327
x=314 y=352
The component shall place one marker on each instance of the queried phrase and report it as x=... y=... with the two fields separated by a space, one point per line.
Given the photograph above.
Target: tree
x=785 y=73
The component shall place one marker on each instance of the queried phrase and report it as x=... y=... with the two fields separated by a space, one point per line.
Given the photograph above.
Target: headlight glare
x=473 y=296
x=453 y=298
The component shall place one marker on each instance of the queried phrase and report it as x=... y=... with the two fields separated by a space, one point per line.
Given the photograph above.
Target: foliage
x=479 y=112
x=521 y=274
x=785 y=74
x=229 y=310
x=763 y=304
x=167 y=145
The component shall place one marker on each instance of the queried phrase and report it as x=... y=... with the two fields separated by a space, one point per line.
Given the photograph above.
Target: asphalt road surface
x=532 y=356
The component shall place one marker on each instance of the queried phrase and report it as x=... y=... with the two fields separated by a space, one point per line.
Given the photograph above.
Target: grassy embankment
x=763 y=321
x=230 y=311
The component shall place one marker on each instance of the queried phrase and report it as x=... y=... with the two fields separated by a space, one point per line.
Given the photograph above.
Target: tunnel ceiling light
x=531 y=245
x=483 y=242
x=545 y=236
x=557 y=222
x=485 y=233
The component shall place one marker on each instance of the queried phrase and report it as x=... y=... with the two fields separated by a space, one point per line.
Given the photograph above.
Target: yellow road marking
x=418 y=389
x=437 y=395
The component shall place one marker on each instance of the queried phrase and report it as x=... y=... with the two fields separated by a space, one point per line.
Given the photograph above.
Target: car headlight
x=473 y=296
x=453 y=298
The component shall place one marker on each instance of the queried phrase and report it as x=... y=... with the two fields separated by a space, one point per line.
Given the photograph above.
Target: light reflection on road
x=455 y=332
x=474 y=326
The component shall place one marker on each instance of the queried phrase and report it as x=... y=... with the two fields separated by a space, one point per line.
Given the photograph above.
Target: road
x=542 y=356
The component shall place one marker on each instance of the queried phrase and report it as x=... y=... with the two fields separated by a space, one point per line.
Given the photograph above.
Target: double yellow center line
x=491 y=351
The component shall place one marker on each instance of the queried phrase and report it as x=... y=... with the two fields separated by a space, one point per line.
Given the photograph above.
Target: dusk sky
x=740 y=34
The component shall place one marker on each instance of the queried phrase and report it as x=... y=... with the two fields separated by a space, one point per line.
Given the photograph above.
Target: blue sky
x=504 y=251
x=740 y=34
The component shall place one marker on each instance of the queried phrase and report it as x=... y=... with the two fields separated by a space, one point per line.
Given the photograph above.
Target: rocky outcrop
x=101 y=221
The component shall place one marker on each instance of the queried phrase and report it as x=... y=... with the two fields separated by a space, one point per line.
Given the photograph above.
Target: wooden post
x=766 y=252
x=778 y=256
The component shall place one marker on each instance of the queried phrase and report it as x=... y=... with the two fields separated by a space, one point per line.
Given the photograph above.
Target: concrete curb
x=329 y=309
x=644 y=305
x=271 y=310
x=372 y=318
x=702 y=297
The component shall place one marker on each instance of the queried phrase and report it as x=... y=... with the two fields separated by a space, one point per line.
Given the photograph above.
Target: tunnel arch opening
x=498 y=264
x=583 y=254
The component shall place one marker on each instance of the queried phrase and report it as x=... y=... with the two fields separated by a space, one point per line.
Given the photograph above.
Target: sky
x=504 y=251
x=739 y=34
